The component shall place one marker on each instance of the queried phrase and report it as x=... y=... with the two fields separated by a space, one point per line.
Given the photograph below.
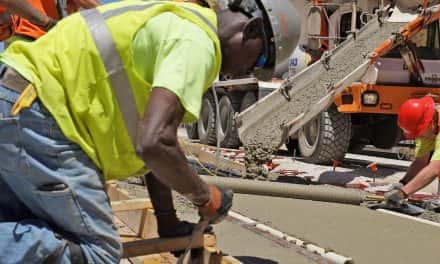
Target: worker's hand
x=218 y=206
x=5 y=23
x=50 y=24
x=395 y=197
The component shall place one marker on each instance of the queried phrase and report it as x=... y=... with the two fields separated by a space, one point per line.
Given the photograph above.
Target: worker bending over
x=101 y=97
x=30 y=19
x=419 y=120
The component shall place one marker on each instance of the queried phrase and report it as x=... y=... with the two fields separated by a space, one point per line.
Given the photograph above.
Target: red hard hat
x=415 y=115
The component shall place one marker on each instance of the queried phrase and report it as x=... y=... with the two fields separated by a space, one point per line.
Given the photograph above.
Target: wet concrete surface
x=363 y=234
x=233 y=239
x=251 y=248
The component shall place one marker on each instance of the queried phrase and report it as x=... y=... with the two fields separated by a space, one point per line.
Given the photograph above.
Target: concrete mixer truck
x=357 y=104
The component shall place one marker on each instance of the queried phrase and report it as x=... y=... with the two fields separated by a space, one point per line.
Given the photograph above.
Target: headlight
x=370 y=98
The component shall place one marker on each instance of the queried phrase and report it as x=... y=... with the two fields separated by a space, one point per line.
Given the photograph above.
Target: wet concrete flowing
x=265 y=136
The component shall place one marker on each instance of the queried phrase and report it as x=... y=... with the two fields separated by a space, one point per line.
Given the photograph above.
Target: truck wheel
x=325 y=138
x=206 y=122
x=249 y=99
x=229 y=105
x=385 y=132
x=191 y=131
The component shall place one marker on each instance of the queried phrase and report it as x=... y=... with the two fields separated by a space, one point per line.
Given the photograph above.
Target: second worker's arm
x=25 y=10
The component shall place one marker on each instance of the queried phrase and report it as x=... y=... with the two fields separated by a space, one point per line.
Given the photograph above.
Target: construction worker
x=101 y=97
x=419 y=120
x=30 y=19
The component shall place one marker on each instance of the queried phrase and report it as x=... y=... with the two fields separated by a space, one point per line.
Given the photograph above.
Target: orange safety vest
x=52 y=8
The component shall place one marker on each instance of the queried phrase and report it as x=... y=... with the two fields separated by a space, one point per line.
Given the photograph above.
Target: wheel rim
x=311 y=133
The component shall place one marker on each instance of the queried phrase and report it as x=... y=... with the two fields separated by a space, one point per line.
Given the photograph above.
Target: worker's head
x=241 y=41
x=256 y=35
x=417 y=118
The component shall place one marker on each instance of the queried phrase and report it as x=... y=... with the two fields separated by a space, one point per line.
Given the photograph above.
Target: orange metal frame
x=389 y=101
x=391 y=97
x=428 y=16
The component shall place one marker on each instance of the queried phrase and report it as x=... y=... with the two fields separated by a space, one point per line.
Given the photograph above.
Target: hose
x=323 y=193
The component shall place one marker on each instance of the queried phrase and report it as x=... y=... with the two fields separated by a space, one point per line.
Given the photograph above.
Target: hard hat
x=281 y=33
x=415 y=115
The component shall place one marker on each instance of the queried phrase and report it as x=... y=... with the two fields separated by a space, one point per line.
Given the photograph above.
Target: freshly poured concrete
x=365 y=235
x=244 y=244
x=251 y=248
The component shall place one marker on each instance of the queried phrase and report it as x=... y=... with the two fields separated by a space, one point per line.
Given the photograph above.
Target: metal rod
x=324 y=193
x=353 y=16
x=321 y=37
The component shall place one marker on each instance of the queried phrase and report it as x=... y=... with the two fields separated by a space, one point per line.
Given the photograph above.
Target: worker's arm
x=5 y=23
x=420 y=173
x=184 y=65
x=423 y=178
x=159 y=148
x=25 y=10
x=425 y=167
x=87 y=3
x=416 y=166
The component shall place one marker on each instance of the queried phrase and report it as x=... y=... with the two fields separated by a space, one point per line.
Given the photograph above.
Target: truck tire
x=229 y=105
x=385 y=132
x=206 y=122
x=325 y=138
x=191 y=131
x=249 y=99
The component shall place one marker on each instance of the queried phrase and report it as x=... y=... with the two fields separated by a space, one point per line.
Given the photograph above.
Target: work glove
x=395 y=198
x=218 y=206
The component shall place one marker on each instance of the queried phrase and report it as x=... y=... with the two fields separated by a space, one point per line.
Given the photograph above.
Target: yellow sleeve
x=183 y=67
x=178 y=55
x=436 y=154
x=424 y=146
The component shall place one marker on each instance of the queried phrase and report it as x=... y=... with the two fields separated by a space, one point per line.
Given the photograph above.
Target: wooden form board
x=134 y=214
x=137 y=227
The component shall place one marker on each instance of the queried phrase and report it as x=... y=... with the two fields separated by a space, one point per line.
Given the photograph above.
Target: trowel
x=404 y=208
